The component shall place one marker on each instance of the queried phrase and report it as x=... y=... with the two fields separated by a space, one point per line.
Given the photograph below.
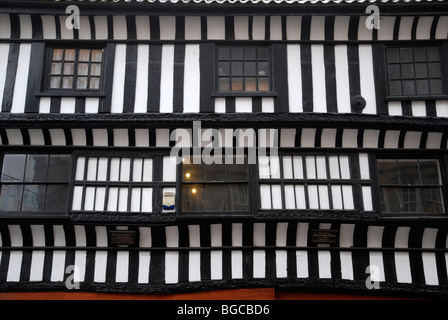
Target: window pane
x=55 y=82
x=409 y=87
x=433 y=53
x=69 y=55
x=421 y=70
x=95 y=69
x=36 y=167
x=83 y=69
x=263 y=68
x=263 y=84
x=238 y=197
x=67 y=82
x=251 y=84
x=223 y=69
x=410 y=200
x=406 y=54
x=215 y=197
x=419 y=54
x=84 y=55
x=33 y=197
x=394 y=71
x=224 y=84
x=432 y=200
x=237 y=68
x=224 y=53
x=10 y=197
x=81 y=83
x=263 y=53
x=57 y=54
x=192 y=197
x=395 y=88
x=434 y=70
x=13 y=167
x=237 y=172
x=387 y=172
x=59 y=169
x=390 y=200
x=94 y=83
x=422 y=87
x=56 y=68
x=393 y=55
x=56 y=199
x=237 y=84
x=192 y=172
x=408 y=170
x=407 y=71
x=215 y=172
x=97 y=55
x=69 y=68
x=436 y=86
x=250 y=68
x=237 y=53
x=249 y=53
x=429 y=170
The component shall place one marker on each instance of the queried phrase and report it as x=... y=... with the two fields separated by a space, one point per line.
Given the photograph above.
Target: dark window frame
x=42 y=213
x=443 y=165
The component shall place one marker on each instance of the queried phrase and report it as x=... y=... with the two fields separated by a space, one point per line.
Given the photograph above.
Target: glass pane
x=395 y=88
x=223 y=69
x=192 y=197
x=251 y=84
x=419 y=54
x=237 y=68
x=56 y=68
x=422 y=87
x=59 y=170
x=36 y=167
x=263 y=68
x=432 y=200
x=67 y=82
x=394 y=71
x=238 y=197
x=436 y=86
x=69 y=68
x=10 y=197
x=33 y=197
x=215 y=197
x=56 y=199
x=215 y=172
x=387 y=172
x=429 y=171
x=263 y=84
x=84 y=55
x=55 y=82
x=406 y=54
x=433 y=53
x=57 y=54
x=97 y=55
x=237 y=84
x=407 y=71
x=263 y=53
x=83 y=69
x=224 y=84
x=409 y=87
x=408 y=170
x=13 y=167
x=81 y=83
x=410 y=200
x=434 y=70
x=393 y=55
x=249 y=53
x=250 y=68
x=237 y=172
x=95 y=69
x=390 y=200
x=224 y=53
x=69 y=55
x=192 y=172
x=94 y=83
x=421 y=70
x=237 y=53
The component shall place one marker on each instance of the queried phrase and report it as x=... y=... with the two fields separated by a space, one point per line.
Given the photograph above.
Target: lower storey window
x=410 y=186
x=34 y=182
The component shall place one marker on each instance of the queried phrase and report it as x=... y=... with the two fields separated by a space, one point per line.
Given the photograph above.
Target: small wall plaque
x=168 y=201
x=320 y=236
x=118 y=238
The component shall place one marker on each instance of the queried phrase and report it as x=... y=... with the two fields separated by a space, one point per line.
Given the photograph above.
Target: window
x=414 y=71
x=244 y=68
x=76 y=69
x=306 y=182
x=113 y=184
x=215 y=188
x=34 y=183
x=410 y=186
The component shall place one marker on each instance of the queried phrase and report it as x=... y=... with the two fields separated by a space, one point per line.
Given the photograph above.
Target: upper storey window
x=414 y=71
x=244 y=68
x=75 y=69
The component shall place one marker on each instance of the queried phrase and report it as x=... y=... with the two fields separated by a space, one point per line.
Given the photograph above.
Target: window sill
x=71 y=94
x=416 y=98
x=244 y=94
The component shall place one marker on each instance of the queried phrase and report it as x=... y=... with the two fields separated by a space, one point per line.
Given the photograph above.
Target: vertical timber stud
x=280 y=78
